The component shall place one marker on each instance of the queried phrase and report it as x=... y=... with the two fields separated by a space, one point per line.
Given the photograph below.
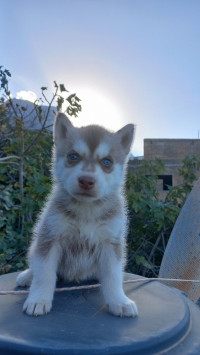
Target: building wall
x=171 y=152
x=170 y=149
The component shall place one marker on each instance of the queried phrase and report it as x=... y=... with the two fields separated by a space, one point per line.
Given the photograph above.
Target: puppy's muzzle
x=86 y=182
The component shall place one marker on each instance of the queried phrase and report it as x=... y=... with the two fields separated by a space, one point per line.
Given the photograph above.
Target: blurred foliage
x=151 y=218
x=25 y=162
x=17 y=216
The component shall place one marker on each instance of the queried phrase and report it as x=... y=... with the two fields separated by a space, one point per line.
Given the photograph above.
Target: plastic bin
x=168 y=323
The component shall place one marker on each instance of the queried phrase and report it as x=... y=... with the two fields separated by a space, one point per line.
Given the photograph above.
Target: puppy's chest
x=80 y=250
x=82 y=238
x=87 y=232
x=80 y=234
x=81 y=223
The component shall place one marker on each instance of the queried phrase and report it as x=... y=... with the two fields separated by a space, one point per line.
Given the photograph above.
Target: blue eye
x=106 y=162
x=73 y=157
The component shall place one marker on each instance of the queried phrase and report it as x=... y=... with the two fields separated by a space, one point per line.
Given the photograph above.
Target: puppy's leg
x=111 y=277
x=24 y=278
x=40 y=296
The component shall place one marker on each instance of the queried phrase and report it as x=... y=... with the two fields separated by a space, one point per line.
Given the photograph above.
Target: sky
x=129 y=61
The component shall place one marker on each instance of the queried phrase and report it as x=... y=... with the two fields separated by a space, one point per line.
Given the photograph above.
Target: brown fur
x=61 y=207
x=89 y=165
x=118 y=249
x=110 y=213
x=44 y=244
x=93 y=136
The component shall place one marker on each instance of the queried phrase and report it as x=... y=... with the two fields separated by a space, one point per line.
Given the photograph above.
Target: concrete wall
x=171 y=152
x=170 y=149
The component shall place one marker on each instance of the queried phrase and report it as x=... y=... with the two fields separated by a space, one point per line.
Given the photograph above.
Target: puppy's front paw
x=37 y=307
x=123 y=309
x=24 y=278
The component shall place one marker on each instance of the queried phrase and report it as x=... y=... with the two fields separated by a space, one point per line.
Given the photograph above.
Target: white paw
x=123 y=309
x=24 y=278
x=37 y=307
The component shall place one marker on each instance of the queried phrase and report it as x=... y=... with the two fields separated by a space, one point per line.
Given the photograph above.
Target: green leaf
x=70 y=98
x=62 y=88
x=8 y=73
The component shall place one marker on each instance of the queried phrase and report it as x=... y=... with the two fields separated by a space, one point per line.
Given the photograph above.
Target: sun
x=98 y=108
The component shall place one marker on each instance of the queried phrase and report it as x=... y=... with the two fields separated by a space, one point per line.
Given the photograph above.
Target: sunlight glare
x=97 y=108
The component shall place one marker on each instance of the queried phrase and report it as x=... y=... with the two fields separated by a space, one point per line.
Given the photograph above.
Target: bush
x=25 y=158
x=17 y=217
x=152 y=219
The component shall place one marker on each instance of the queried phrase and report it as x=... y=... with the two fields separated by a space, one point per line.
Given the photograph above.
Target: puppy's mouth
x=85 y=194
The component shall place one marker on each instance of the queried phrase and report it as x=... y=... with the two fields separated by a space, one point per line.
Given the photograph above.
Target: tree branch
x=10 y=157
x=43 y=125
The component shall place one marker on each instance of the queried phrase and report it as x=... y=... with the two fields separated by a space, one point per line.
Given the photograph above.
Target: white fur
x=42 y=288
x=102 y=150
x=81 y=147
x=111 y=278
x=106 y=183
x=80 y=233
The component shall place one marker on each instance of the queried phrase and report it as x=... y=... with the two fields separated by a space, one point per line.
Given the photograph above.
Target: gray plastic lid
x=79 y=324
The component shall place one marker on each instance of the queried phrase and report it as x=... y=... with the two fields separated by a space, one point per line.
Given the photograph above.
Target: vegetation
x=25 y=181
x=151 y=218
x=25 y=158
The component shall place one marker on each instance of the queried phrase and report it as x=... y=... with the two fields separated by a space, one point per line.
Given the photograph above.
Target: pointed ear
x=125 y=135
x=61 y=126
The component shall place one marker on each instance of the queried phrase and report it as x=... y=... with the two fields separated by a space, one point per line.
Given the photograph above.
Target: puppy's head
x=89 y=161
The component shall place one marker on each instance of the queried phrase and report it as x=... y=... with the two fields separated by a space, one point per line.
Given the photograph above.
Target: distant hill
x=30 y=117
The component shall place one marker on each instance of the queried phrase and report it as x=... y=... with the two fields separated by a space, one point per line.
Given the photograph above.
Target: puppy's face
x=89 y=161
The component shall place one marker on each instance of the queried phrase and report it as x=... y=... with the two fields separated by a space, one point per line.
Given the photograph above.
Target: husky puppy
x=80 y=233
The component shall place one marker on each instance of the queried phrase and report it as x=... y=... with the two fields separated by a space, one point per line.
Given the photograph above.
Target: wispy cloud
x=26 y=95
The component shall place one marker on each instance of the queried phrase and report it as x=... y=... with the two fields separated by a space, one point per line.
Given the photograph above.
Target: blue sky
x=132 y=61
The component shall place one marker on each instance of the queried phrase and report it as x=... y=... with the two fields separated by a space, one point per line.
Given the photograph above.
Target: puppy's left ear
x=62 y=125
x=125 y=135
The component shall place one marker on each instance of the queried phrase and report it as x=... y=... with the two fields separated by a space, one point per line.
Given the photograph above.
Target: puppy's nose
x=86 y=182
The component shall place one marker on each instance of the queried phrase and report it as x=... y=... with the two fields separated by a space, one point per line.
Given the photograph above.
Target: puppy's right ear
x=61 y=126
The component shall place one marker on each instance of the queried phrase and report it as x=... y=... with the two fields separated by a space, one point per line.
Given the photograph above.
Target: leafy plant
x=151 y=218
x=25 y=161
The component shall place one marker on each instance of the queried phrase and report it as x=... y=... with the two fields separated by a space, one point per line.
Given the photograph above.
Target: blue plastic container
x=168 y=323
